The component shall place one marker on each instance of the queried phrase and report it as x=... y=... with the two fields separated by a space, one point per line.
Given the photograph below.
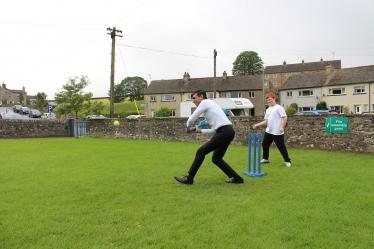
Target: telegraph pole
x=215 y=87
x=113 y=34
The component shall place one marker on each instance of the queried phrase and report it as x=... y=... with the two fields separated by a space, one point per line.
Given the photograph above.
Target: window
x=337 y=108
x=189 y=97
x=359 y=89
x=287 y=75
x=308 y=108
x=251 y=94
x=168 y=98
x=336 y=91
x=366 y=108
x=305 y=93
x=289 y=94
x=266 y=76
x=172 y=113
x=234 y=95
x=274 y=76
x=153 y=98
x=266 y=84
x=210 y=95
x=274 y=83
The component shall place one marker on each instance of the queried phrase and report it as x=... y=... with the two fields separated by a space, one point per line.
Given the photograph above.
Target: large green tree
x=40 y=100
x=131 y=87
x=72 y=98
x=247 y=63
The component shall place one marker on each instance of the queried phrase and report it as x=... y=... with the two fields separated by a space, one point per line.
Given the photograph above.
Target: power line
x=160 y=51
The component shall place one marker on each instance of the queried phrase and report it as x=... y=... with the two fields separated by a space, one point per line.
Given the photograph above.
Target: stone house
x=276 y=76
x=349 y=88
x=170 y=93
x=11 y=96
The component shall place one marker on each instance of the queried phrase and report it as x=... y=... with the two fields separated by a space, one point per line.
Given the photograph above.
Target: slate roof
x=231 y=83
x=344 y=76
x=353 y=75
x=302 y=67
x=310 y=80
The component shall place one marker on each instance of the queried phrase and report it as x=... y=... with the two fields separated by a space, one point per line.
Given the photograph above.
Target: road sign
x=337 y=125
x=50 y=108
x=144 y=105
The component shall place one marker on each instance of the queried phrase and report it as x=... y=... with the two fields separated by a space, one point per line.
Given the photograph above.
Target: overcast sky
x=43 y=43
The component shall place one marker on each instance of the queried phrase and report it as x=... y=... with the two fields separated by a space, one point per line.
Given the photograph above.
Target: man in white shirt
x=276 y=120
x=223 y=132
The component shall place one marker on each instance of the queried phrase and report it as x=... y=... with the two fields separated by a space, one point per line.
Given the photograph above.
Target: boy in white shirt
x=276 y=120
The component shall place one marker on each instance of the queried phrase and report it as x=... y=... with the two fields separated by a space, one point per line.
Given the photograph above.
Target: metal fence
x=81 y=128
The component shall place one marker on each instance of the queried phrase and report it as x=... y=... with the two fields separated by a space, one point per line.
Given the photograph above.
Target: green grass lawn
x=111 y=193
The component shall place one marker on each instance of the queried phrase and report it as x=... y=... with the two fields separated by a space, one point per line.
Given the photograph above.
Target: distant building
x=11 y=96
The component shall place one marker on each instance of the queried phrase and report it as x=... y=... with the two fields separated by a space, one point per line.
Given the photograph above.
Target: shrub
x=294 y=105
x=321 y=106
x=162 y=112
x=290 y=111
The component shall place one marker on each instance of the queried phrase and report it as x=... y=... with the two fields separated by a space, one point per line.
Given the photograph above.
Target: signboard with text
x=337 y=125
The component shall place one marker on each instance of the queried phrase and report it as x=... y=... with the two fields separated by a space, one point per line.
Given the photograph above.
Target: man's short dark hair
x=199 y=93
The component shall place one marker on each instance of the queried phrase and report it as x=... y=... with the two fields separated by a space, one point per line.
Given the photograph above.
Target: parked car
x=317 y=112
x=96 y=117
x=136 y=116
x=33 y=113
x=48 y=115
x=17 y=108
x=24 y=110
x=11 y=116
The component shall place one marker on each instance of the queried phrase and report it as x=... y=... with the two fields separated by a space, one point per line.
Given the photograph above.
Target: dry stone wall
x=305 y=132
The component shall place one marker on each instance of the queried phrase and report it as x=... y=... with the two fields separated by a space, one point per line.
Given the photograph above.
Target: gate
x=81 y=128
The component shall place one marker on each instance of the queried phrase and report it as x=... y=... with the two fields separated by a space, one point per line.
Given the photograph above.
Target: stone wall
x=18 y=128
x=306 y=132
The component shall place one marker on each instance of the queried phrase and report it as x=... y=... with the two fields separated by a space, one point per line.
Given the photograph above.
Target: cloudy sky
x=43 y=43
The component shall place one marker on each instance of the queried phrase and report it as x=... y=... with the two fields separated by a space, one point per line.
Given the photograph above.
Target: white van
x=234 y=106
x=48 y=115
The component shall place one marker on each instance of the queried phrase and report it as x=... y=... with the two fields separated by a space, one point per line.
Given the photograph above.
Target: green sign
x=337 y=125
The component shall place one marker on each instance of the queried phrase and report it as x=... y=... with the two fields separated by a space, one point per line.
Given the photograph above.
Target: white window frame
x=153 y=98
x=266 y=84
x=210 y=95
x=229 y=95
x=333 y=91
x=359 y=90
x=287 y=75
x=301 y=93
x=168 y=97
x=251 y=94
x=189 y=97
x=274 y=76
x=275 y=83
x=266 y=76
x=173 y=113
x=289 y=94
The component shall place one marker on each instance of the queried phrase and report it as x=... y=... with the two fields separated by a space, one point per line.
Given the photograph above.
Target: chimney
x=321 y=59
x=302 y=61
x=186 y=77
x=329 y=68
x=224 y=75
x=4 y=86
x=284 y=63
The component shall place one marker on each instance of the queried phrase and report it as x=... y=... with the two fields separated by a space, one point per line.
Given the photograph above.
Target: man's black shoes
x=183 y=179
x=233 y=180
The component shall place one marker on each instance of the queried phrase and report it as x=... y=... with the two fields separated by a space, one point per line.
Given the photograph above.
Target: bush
x=321 y=106
x=290 y=111
x=162 y=112
x=294 y=105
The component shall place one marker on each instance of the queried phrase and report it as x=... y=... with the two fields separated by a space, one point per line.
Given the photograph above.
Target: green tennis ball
x=116 y=123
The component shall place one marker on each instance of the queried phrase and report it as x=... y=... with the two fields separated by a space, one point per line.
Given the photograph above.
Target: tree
x=162 y=112
x=72 y=96
x=95 y=107
x=247 y=63
x=40 y=100
x=119 y=93
x=134 y=87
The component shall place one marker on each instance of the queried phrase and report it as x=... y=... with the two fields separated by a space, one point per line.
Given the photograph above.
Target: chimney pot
x=224 y=75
